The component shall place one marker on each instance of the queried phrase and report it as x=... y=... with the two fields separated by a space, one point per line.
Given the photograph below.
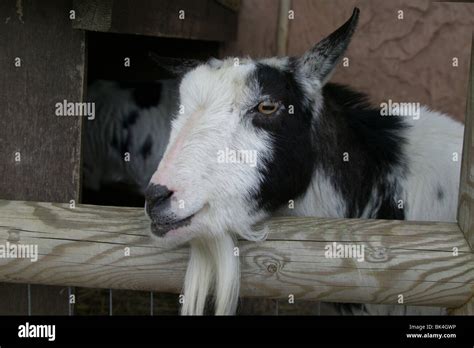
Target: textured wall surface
x=408 y=59
x=405 y=60
x=256 y=32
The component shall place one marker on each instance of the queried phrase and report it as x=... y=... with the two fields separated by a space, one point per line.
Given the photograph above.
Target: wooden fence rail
x=428 y=263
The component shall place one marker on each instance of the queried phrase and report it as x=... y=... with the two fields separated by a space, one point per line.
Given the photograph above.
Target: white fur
x=212 y=263
x=431 y=143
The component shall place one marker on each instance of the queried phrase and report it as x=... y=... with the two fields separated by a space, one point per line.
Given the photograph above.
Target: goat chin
x=213 y=269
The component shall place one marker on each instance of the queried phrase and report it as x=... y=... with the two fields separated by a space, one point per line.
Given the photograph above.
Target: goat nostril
x=157 y=194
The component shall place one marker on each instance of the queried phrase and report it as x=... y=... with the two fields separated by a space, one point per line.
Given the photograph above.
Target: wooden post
x=282 y=29
x=42 y=63
x=466 y=191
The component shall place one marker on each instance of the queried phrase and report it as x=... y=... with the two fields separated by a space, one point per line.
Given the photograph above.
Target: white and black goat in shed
x=318 y=144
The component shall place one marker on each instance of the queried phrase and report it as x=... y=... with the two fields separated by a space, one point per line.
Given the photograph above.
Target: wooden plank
x=47 y=300
x=86 y=247
x=299 y=307
x=466 y=190
x=466 y=309
x=52 y=69
x=127 y=302
x=96 y=14
x=257 y=306
x=15 y=299
x=466 y=193
x=203 y=19
x=165 y=304
x=91 y=301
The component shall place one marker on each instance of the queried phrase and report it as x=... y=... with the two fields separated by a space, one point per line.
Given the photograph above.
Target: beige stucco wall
x=409 y=59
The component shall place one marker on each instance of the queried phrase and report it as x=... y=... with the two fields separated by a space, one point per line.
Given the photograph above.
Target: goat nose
x=155 y=196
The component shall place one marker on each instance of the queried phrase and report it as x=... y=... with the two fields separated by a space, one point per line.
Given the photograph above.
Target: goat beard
x=214 y=269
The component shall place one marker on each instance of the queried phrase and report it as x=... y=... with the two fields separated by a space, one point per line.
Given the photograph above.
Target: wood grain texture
x=91 y=301
x=49 y=300
x=407 y=60
x=257 y=306
x=203 y=19
x=14 y=299
x=95 y=14
x=166 y=304
x=52 y=69
x=466 y=309
x=466 y=193
x=127 y=302
x=85 y=247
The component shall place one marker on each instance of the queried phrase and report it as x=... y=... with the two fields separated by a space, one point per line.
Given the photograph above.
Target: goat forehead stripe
x=272 y=81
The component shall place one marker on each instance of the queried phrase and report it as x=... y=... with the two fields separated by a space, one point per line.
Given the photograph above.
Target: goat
x=318 y=144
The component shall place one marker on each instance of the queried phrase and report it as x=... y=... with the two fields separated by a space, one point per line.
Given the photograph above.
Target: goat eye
x=267 y=108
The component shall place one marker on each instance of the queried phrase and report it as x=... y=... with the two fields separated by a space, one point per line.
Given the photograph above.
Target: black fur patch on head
x=287 y=175
x=145 y=94
x=303 y=142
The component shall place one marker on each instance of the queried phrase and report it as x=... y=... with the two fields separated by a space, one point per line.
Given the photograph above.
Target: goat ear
x=175 y=66
x=320 y=60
